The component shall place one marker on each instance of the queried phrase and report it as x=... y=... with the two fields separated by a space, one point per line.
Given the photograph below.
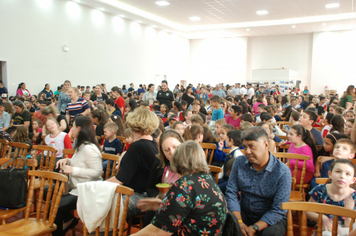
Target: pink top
x=235 y=123
x=304 y=150
x=19 y=92
x=255 y=107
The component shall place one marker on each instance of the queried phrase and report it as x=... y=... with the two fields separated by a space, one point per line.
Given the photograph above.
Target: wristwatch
x=256 y=228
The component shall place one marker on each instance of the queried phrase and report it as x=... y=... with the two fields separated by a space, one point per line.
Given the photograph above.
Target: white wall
x=102 y=48
x=334 y=61
x=292 y=52
x=218 y=60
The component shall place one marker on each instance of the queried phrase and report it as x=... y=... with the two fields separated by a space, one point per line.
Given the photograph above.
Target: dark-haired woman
x=151 y=95
x=47 y=91
x=188 y=96
x=99 y=96
x=301 y=142
x=112 y=107
x=22 y=117
x=22 y=91
x=84 y=166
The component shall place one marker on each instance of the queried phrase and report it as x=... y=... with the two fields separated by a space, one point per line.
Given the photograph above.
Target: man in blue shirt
x=219 y=92
x=264 y=183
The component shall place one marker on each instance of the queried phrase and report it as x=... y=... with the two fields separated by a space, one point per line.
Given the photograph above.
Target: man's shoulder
x=279 y=166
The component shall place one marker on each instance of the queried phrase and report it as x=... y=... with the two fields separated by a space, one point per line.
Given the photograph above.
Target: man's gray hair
x=254 y=133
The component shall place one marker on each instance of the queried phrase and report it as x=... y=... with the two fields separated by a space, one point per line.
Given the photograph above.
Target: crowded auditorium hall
x=204 y=117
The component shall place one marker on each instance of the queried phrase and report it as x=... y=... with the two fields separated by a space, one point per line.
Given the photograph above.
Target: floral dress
x=193 y=206
x=320 y=195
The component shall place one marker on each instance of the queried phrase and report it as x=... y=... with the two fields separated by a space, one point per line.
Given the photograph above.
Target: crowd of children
x=315 y=126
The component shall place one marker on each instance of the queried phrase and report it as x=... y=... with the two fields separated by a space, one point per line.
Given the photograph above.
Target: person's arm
x=68 y=118
x=283 y=190
x=7 y=123
x=327 y=223
x=67 y=144
x=62 y=125
x=19 y=92
x=152 y=231
x=59 y=105
x=86 y=112
x=349 y=204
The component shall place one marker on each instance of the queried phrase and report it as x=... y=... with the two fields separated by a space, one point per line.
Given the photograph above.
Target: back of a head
x=208 y=135
x=191 y=133
x=189 y=158
x=254 y=134
x=215 y=98
x=236 y=136
x=265 y=116
x=87 y=133
x=142 y=121
x=247 y=117
x=246 y=125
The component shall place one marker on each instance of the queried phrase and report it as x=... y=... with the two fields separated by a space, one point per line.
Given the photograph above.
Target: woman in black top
x=99 y=96
x=188 y=95
x=136 y=165
x=22 y=117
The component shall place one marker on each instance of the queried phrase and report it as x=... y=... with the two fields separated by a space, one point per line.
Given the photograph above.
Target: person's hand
x=327 y=223
x=282 y=143
x=221 y=145
x=246 y=231
x=67 y=169
x=349 y=203
x=317 y=175
x=149 y=204
x=61 y=163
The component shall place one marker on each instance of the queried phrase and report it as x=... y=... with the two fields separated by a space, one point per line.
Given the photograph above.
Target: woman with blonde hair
x=137 y=163
x=195 y=197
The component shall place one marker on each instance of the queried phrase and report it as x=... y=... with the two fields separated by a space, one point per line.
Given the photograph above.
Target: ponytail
x=191 y=133
x=307 y=138
x=100 y=115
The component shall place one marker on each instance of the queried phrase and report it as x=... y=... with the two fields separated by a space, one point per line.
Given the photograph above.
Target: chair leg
x=129 y=226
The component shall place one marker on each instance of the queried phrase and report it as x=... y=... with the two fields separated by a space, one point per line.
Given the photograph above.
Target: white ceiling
x=229 y=18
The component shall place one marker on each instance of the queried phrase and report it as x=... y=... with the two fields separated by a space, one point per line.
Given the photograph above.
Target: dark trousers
x=278 y=229
x=66 y=206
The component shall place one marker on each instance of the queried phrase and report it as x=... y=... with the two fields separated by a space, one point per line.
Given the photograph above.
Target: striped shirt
x=78 y=107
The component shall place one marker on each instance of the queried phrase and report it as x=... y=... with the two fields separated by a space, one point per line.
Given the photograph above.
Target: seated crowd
x=157 y=136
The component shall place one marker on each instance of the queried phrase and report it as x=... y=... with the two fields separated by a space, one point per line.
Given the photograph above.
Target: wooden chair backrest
x=3 y=147
x=53 y=197
x=227 y=151
x=217 y=139
x=215 y=170
x=353 y=161
x=282 y=123
x=67 y=152
x=123 y=142
x=110 y=168
x=18 y=163
x=317 y=208
x=319 y=128
x=283 y=137
x=318 y=147
x=117 y=225
x=321 y=180
x=283 y=148
x=209 y=147
x=46 y=162
x=20 y=150
x=286 y=157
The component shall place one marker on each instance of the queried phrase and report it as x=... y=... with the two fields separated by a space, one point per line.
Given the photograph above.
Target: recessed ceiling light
x=162 y=3
x=194 y=18
x=122 y=16
x=324 y=24
x=332 y=5
x=263 y=12
x=293 y=26
x=247 y=29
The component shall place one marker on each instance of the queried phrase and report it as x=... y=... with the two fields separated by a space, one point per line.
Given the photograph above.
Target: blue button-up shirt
x=262 y=192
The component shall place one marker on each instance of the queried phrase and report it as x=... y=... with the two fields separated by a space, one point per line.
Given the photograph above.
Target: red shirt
x=121 y=103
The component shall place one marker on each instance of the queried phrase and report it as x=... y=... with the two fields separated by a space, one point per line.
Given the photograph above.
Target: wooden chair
x=283 y=137
x=20 y=150
x=46 y=162
x=123 y=142
x=281 y=124
x=319 y=208
x=67 y=152
x=38 y=226
x=227 y=151
x=217 y=139
x=209 y=147
x=117 y=225
x=319 y=147
x=283 y=148
x=32 y=164
x=321 y=180
x=285 y=158
x=3 y=147
x=319 y=128
x=110 y=168
x=215 y=170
